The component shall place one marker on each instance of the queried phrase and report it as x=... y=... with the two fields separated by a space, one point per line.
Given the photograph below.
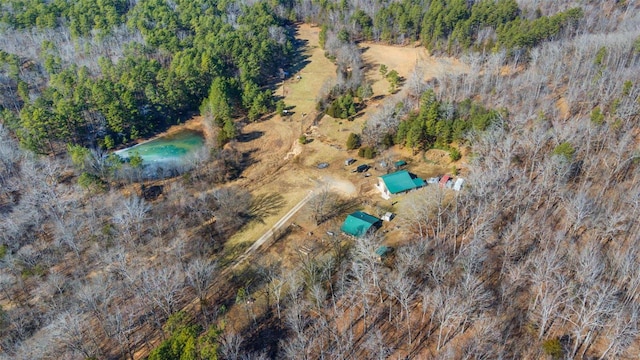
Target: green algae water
x=172 y=148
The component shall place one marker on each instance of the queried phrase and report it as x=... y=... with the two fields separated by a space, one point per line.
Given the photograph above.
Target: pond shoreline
x=196 y=123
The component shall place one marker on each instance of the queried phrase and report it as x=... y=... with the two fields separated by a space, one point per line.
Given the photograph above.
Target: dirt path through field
x=273 y=145
x=278 y=163
x=276 y=227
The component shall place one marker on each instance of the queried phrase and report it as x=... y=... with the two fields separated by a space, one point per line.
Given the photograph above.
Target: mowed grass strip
x=301 y=94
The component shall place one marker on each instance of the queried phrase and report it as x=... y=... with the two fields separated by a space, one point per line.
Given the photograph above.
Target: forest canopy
x=111 y=71
x=439 y=123
x=458 y=25
x=167 y=60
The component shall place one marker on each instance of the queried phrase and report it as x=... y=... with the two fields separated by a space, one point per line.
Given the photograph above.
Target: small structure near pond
x=360 y=223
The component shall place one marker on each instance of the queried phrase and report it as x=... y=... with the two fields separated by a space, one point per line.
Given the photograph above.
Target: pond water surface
x=171 y=148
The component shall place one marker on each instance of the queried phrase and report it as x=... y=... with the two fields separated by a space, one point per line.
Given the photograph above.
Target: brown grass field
x=404 y=59
x=282 y=165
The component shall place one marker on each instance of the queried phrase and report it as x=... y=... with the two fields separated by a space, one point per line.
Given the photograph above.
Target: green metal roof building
x=400 y=163
x=358 y=223
x=383 y=251
x=397 y=182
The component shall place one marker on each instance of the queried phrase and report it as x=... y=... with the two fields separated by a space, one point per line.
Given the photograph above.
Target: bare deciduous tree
x=73 y=333
x=200 y=275
x=162 y=288
x=621 y=331
x=401 y=288
x=588 y=313
x=131 y=214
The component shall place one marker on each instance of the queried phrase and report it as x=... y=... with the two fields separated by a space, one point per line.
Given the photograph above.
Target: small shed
x=446 y=181
x=388 y=216
x=359 y=223
x=383 y=251
x=457 y=186
x=400 y=163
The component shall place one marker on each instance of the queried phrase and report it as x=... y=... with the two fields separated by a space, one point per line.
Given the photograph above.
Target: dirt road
x=276 y=227
x=343 y=186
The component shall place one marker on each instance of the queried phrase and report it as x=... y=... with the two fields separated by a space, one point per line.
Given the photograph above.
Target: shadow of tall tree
x=327 y=205
x=265 y=205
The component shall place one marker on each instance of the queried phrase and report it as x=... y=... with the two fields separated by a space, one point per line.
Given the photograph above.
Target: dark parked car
x=362 y=168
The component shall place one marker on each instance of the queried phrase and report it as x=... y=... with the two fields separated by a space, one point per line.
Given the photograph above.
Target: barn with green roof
x=398 y=182
x=359 y=223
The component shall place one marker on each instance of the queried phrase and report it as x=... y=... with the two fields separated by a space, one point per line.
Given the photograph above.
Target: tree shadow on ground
x=151 y=192
x=299 y=60
x=266 y=335
x=231 y=252
x=265 y=205
x=296 y=62
x=220 y=297
x=247 y=160
x=250 y=136
x=340 y=207
x=358 y=115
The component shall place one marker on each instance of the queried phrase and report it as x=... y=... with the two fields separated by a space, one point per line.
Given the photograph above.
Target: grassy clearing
x=278 y=135
x=255 y=229
x=302 y=93
x=272 y=171
x=404 y=60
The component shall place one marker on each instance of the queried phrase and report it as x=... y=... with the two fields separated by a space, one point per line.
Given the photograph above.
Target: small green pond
x=169 y=148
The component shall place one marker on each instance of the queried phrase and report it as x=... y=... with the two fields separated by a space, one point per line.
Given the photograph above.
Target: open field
x=281 y=165
x=316 y=69
x=277 y=164
x=276 y=139
x=404 y=60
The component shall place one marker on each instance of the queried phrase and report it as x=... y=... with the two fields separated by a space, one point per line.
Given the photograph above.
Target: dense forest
x=536 y=259
x=143 y=66
x=105 y=74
